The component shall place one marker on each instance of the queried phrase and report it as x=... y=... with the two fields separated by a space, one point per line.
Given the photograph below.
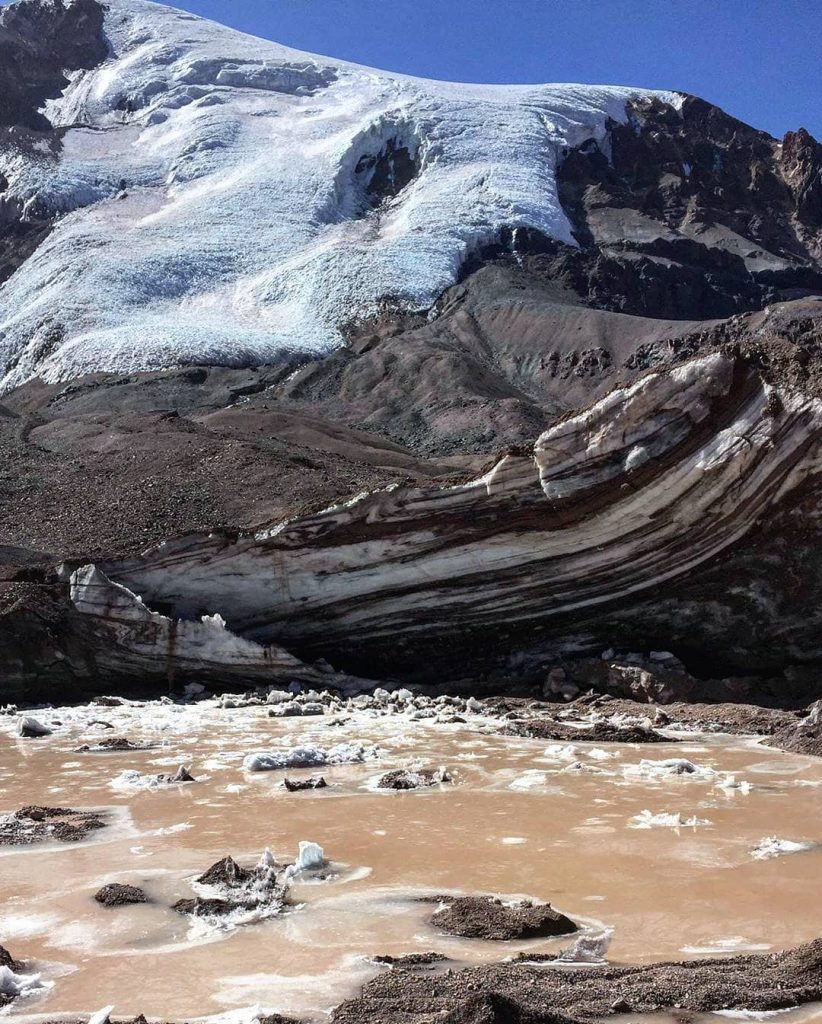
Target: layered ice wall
x=223 y=199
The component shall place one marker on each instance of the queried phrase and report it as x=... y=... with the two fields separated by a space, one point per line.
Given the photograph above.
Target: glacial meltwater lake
x=717 y=859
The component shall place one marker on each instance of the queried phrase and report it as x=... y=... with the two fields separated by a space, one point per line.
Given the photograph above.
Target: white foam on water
x=532 y=779
x=733 y=944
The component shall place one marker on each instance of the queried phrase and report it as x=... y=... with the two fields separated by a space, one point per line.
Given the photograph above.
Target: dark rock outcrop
x=204 y=906
x=485 y=917
x=692 y=214
x=225 y=872
x=39 y=42
x=299 y=785
x=7 y=960
x=414 y=778
x=117 y=895
x=32 y=825
x=261 y=888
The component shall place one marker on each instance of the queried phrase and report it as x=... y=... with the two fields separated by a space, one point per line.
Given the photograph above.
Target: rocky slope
x=464 y=406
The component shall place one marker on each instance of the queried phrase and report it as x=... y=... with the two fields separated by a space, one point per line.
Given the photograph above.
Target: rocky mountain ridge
x=591 y=420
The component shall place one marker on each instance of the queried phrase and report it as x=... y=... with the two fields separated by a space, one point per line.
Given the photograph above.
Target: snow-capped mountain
x=216 y=198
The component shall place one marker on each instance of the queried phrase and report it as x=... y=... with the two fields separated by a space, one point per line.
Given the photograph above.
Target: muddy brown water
x=556 y=834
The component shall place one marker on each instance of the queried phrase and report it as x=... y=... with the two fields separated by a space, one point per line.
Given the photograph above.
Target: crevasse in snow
x=226 y=200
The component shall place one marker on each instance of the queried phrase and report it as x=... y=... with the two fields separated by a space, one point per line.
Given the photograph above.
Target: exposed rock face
x=40 y=42
x=692 y=214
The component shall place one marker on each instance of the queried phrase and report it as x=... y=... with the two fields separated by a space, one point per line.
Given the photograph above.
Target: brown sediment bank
x=528 y=994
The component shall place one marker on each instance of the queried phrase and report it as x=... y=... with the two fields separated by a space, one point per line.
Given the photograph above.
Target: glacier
x=221 y=199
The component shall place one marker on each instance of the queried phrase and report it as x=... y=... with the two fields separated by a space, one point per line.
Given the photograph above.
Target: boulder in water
x=486 y=917
x=116 y=895
x=414 y=778
x=297 y=785
x=30 y=728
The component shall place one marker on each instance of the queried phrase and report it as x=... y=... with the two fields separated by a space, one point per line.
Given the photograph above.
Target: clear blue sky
x=761 y=60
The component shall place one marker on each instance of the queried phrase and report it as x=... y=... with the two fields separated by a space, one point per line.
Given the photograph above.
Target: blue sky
x=759 y=59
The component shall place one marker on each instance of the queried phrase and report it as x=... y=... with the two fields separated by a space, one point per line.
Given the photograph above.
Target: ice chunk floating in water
x=588 y=949
x=102 y=1016
x=16 y=985
x=771 y=846
x=647 y=819
x=309 y=757
x=311 y=857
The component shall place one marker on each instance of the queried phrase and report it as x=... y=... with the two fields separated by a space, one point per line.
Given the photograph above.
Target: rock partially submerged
x=199 y=906
x=117 y=895
x=298 y=785
x=114 y=744
x=30 y=728
x=486 y=917
x=412 y=960
x=226 y=872
x=133 y=779
x=414 y=778
x=548 y=728
x=529 y=994
x=7 y=960
x=227 y=888
x=32 y=825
